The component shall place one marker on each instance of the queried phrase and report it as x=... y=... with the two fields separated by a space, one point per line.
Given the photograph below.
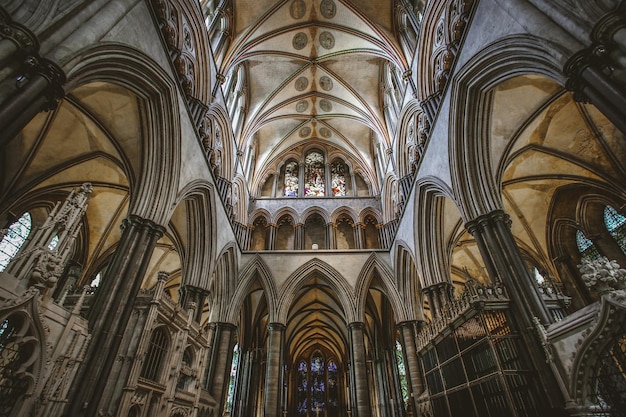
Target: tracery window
x=616 y=225
x=156 y=355
x=314 y=176
x=14 y=239
x=586 y=247
x=338 y=170
x=18 y=354
x=317 y=387
x=290 y=186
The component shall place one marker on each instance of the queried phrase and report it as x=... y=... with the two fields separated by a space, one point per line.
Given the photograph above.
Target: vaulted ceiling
x=313 y=70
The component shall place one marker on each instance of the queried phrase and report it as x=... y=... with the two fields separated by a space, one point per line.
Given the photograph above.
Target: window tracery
x=14 y=238
x=290 y=186
x=616 y=225
x=586 y=247
x=314 y=175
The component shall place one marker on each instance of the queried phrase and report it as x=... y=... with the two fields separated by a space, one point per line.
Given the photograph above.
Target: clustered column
x=111 y=311
x=597 y=74
x=361 y=393
x=274 y=374
x=220 y=359
x=408 y=330
x=505 y=264
x=28 y=83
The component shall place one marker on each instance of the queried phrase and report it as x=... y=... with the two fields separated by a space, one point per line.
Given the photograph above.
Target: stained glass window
x=302 y=389
x=338 y=172
x=54 y=242
x=290 y=188
x=314 y=178
x=333 y=388
x=402 y=373
x=233 y=376
x=586 y=247
x=14 y=239
x=539 y=278
x=318 y=384
x=616 y=225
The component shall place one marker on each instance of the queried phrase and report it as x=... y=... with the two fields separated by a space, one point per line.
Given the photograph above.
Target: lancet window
x=314 y=175
x=318 y=390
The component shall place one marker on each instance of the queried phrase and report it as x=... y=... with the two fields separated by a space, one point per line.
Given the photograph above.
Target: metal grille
x=611 y=380
x=12 y=356
x=156 y=353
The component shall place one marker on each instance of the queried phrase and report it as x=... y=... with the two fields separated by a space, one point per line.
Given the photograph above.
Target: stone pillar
x=502 y=255
x=298 y=236
x=274 y=371
x=109 y=315
x=271 y=236
x=218 y=364
x=192 y=294
x=412 y=365
x=428 y=293
x=358 y=242
x=361 y=406
x=28 y=83
x=589 y=84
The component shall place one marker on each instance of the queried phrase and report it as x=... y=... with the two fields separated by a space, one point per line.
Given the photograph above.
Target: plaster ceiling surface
x=313 y=71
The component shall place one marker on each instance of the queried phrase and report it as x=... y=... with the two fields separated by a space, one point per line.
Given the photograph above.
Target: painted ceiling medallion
x=302 y=106
x=326 y=105
x=328 y=9
x=305 y=131
x=325 y=132
x=327 y=40
x=326 y=83
x=297 y=9
x=299 y=40
x=302 y=83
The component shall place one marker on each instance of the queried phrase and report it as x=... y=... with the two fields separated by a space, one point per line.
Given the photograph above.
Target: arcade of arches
x=304 y=208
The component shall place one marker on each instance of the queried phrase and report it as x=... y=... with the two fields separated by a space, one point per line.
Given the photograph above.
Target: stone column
x=412 y=365
x=271 y=236
x=502 y=255
x=220 y=359
x=332 y=236
x=361 y=406
x=589 y=84
x=358 y=242
x=109 y=315
x=298 y=236
x=428 y=293
x=274 y=370
x=192 y=294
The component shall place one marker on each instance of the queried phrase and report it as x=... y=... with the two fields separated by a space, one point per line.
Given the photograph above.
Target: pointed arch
x=375 y=267
x=473 y=178
x=225 y=282
x=198 y=197
x=161 y=159
x=330 y=275
x=253 y=271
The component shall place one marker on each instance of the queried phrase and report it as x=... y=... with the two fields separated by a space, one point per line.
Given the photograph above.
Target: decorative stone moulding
x=602 y=275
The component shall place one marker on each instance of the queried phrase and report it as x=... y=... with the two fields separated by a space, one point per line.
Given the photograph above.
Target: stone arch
x=222 y=157
x=253 y=271
x=225 y=282
x=408 y=282
x=434 y=255
x=198 y=197
x=344 y=211
x=375 y=267
x=407 y=128
x=161 y=160
x=330 y=275
x=475 y=186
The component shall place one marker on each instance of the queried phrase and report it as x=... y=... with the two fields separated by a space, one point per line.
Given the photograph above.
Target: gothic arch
x=254 y=271
x=407 y=127
x=375 y=267
x=434 y=265
x=198 y=197
x=222 y=140
x=225 y=282
x=475 y=186
x=330 y=275
x=408 y=282
x=130 y=68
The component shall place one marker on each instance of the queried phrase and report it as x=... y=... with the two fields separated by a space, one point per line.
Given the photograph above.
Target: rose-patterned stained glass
x=290 y=187
x=314 y=178
x=318 y=384
x=14 y=239
x=338 y=178
x=302 y=389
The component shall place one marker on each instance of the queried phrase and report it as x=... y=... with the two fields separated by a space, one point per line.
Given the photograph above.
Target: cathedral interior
x=305 y=208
